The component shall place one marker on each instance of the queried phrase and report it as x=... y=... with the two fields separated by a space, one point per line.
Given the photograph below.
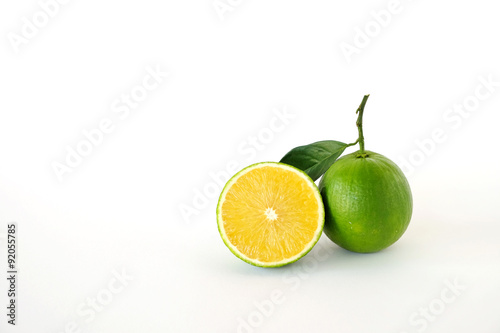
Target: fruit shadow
x=327 y=256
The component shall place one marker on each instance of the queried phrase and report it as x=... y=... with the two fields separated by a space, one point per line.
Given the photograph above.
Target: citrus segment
x=270 y=214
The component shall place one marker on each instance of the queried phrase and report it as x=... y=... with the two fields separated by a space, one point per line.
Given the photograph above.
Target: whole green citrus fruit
x=368 y=202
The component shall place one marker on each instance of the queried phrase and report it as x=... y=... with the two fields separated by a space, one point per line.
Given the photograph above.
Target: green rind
x=368 y=202
x=281 y=263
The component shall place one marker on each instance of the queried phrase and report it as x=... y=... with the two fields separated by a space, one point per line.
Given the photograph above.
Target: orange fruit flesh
x=270 y=214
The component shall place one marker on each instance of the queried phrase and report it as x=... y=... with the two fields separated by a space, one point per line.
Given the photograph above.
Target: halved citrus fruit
x=270 y=214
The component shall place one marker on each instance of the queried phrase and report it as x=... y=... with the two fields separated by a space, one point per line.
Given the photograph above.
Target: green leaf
x=316 y=158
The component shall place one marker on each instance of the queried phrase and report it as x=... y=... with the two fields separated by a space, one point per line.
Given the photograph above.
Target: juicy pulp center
x=271 y=214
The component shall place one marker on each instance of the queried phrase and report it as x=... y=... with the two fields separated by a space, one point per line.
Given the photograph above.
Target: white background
x=119 y=210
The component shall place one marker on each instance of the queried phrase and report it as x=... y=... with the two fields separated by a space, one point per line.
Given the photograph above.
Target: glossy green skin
x=368 y=202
